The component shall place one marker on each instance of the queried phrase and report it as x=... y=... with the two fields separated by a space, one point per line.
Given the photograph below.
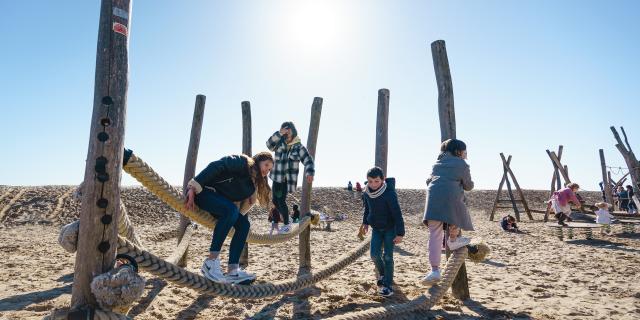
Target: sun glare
x=314 y=26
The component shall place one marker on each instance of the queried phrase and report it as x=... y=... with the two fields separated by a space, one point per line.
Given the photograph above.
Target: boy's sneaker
x=385 y=291
x=560 y=222
x=432 y=278
x=285 y=229
x=379 y=281
x=212 y=270
x=240 y=277
x=458 y=243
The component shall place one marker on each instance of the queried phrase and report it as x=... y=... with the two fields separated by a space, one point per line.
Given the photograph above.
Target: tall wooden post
x=98 y=235
x=304 y=245
x=246 y=149
x=608 y=197
x=382 y=134
x=460 y=286
x=629 y=157
x=190 y=164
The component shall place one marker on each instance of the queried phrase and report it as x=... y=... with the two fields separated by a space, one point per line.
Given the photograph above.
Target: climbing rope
x=180 y=276
x=425 y=301
x=171 y=196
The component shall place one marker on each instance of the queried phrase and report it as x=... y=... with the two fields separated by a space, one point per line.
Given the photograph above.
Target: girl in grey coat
x=450 y=177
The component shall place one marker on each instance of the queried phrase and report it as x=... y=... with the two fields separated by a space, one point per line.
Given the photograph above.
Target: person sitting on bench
x=560 y=202
x=508 y=224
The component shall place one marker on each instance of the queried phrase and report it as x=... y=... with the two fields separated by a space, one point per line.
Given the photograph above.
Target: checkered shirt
x=287 y=161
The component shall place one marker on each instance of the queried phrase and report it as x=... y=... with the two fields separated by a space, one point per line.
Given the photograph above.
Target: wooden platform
x=574 y=225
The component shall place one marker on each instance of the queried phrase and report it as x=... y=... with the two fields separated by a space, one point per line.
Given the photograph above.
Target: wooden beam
x=446 y=112
x=605 y=183
x=246 y=149
x=382 y=134
x=190 y=165
x=561 y=168
x=629 y=157
x=518 y=189
x=304 y=245
x=495 y=203
x=99 y=211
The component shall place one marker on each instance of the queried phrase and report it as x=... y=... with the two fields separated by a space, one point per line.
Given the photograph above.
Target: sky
x=527 y=76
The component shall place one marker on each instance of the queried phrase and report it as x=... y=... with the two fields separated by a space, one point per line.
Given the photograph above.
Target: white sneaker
x=458 y=243
x=432 y=278
x=212 y=270
x=285 y=229
x=240 y=276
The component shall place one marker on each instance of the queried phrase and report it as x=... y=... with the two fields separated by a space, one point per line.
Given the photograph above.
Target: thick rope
x=125 y=228
x=425 y=301
x=182 y=277
x=59 y=204
x=171 y=196
x=178 y=253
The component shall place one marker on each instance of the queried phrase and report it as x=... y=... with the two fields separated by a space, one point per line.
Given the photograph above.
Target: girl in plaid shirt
x=289 y=152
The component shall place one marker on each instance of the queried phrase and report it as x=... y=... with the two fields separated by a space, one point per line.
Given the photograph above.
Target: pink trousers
x=436 y=234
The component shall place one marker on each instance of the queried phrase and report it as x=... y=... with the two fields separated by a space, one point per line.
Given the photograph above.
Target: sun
x=313 y=25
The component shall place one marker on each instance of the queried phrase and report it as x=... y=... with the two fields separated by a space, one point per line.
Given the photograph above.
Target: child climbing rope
x=450 y=177
x=560 y=202
x=382 y=212
x=289 y=152
x=603 y=216
x=232 y=178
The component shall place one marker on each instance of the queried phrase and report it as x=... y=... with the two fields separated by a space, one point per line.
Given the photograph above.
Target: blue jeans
x=383 y=261
x=228 y=215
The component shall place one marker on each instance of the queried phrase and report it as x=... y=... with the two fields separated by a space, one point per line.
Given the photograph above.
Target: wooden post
x=382 y=134
x=98 y=235
x=608 y=197
x=555 y=181
x=460 y=286
x=560 y=167
x=495 y=203
x=246 y=149
x=629 y=157
x=513 y=201
x=517 y=185
x=190 y=165
x=445 y=91
x=304 y=245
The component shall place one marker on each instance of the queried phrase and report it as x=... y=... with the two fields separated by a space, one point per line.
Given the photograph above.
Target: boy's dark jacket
x=384 y=211
x=229 y=177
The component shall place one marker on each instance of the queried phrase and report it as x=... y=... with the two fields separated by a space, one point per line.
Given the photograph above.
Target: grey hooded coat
x=450 y=177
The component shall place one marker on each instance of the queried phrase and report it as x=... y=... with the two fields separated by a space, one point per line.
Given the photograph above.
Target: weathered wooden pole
x=98 y=235
x=382 y=133
x=629 y=157
x=517 y=185
x=190 y=164
x=246 y=149
x=608 y=197
x=304 y=244
x=497 y=200
x=460 y=286
x=446 y=110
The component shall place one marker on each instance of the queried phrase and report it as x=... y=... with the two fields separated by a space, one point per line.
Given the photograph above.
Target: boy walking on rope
x=382 y=212
x=289 y=152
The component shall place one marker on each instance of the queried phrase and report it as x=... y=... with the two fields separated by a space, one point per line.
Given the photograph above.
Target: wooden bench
x=586 y=227
x=326 y=223
x=628 y=225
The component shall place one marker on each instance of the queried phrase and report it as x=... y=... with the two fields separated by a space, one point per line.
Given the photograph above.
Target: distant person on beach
x=633 y=208
x=508 y=224
x=623 y=198
x=275 y=218
x=231 y=179
x=450 y=178
x=349 y=186
x=382 y=212
x=559 y=202
x=289 y=152
x=603 y=216
x=358 y=187
x=296 y=214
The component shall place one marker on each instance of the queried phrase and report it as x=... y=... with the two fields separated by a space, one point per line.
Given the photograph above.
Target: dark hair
x=375 y=172
x=290 y=125
x=453 y=146
x=629 y=186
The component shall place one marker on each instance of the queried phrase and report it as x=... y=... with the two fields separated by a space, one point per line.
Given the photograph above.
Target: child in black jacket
x=382 y=212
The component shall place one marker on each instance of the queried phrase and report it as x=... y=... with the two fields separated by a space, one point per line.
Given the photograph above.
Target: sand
x=531 y=275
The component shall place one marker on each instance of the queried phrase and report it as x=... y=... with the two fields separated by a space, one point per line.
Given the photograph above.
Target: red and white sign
x=120 y=28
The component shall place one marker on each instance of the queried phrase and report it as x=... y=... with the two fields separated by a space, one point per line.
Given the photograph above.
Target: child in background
x=274 y=218
x=450 y=178
x=603 y=216
x=623 y=198
x=633 y=208
x=382 y=212
x=560 y=202
x=508 y=224
x=296 y=213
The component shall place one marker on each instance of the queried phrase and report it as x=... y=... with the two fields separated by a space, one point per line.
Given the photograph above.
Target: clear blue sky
x=527 y=76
